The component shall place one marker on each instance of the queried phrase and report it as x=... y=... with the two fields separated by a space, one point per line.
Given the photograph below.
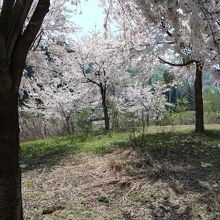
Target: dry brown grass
x=120 y=185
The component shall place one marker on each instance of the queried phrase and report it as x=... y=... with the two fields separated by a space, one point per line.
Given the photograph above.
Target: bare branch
x=87 y=78
x=205 y=12
x=177 y=64
x=37 y=41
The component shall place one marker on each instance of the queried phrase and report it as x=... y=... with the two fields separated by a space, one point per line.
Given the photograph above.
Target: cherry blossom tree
x=56 y=89
x=146 y=100
x=186 y=32
x=102 y=62
x=49 y=88
x=46 y=64
x=93 y=69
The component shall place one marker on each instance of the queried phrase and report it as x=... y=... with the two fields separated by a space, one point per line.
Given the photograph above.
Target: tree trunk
x=106 y=116
x=10 y=175
x=198 y=92
x=105 y=109
x=15 y=42
x=199 y=127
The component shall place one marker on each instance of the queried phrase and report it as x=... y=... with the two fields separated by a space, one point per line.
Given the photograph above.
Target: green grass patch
x=103 y=198
x=177 y=142
x=51 y=150
x=188 y=118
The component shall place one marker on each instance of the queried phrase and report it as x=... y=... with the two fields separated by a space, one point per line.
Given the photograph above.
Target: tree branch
x=16 y=23
x=6 y=10
x=177 y=64
x=87 y=78
x=37 y=41
x=24 y=41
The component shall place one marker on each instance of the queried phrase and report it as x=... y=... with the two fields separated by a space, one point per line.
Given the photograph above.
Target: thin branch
x=87 y=79
x=177 y=64
x=37 y=41
x=123 y=10
x=204 y=10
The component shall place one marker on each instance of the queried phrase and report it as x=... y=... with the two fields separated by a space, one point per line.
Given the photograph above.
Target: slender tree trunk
x=105 y=109
x=106 y=116
x=199 y=127
x=148 y=120
x=10 y=175
x=68 y=120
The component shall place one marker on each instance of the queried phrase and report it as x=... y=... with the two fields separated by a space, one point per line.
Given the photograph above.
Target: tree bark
x=15 y=43
x=106 y=116
x=105 y=109
x=10 y=177
x=199 y=127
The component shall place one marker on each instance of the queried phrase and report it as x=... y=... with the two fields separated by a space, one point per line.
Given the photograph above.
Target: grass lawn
x=169 y=173
x=52 y=150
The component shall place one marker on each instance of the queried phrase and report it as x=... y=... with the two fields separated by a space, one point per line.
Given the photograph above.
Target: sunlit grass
x=157 y=140
x=51 y=150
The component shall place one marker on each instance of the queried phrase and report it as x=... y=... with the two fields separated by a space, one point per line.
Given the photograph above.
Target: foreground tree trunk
x=15 y=42
x=199 y=126
x=105 y=109
x=10 y=178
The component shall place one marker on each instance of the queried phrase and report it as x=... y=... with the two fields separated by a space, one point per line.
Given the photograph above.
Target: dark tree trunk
x=199 y=127
x=69 y=123
x=105 y=108
x=106 y=116
x=15 y=43
x=10 y=176
x=198 y=92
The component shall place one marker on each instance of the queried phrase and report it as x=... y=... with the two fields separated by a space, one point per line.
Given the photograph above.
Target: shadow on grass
x=188 y=163
x=181 y=148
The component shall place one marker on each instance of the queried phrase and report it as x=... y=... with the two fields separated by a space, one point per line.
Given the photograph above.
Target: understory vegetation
x=167 y=173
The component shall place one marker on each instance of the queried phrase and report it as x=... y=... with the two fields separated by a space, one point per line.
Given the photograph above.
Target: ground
x=164 y=175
